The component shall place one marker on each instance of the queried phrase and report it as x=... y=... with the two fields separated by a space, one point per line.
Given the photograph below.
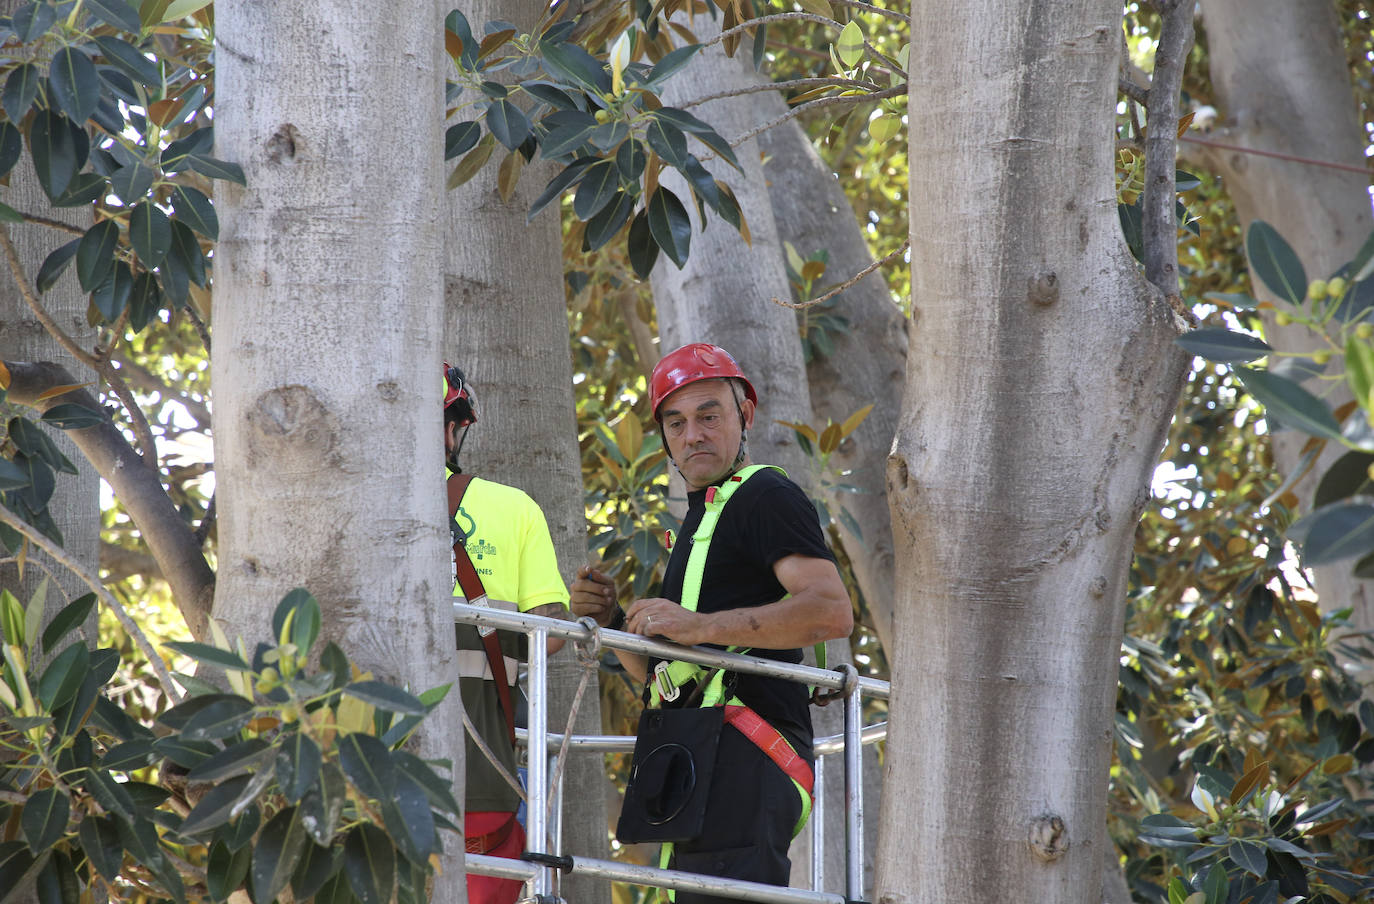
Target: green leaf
x=671 y=63
x=33 y=613
x=11 y=149
x=642 y=248
x=370 y=864
x=667 y=140
x=609 y=221
x=215 y=168
x=33 y=20
x=95 y=254
x=570 y=63
x=610 y=135
x=1348 y=476
x=82 y=190
x=215 y=807
x=187 y=754
x=195 y=210
x=850 y=46
x=129 y=755
x=1290 y=403
x=276 y=854
x=1223 y=346
x=110 y=794
x=336 y=890
x=111 y=297
x=224 y=718
x=144 y=301
x=305 y=625
x=63 y=676
x=186 y=253
x=568 y=177
x=1275 y=262
x=44 y=819
x=596 y=189
x=101 y=845
x=205 y=653
x=298 y=765
x=439 y=791
x=55 y=264
x=114 y=12
x=54 y=152
x=75 y=86
x=57 y=881
x=1336 y=531
x=472 y=162
x=130 y=60
x=17 y=866
x=409 y=820
x=233 y=760
x=1359 y=368
x=71 y=416
x=225 y=871
x=508 y=124
x=385 y=696
x=72 y=616
x=317 y=864
x=12 y=477
x=322 y=806
x=21 y=87
x=630 y=159
x=461 y=138
x=1215 y=885
x=367 y=764
x=131 y=183
x=670 y=226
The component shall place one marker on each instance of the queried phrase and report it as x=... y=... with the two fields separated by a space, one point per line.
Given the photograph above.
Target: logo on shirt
x=481 y=549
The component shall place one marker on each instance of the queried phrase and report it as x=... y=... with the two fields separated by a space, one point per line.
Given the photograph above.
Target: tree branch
x=784 y=86
x=1133 y=91
x=94 y=362
x=766 y=20
x=796 y=111
x=138 y=488
x=1160 y=224
x=894 y=15
x=59 y=225
x=58 y=554
x=846 y=284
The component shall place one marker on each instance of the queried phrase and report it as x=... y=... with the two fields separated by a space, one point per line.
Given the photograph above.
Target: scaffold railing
x=544 y=860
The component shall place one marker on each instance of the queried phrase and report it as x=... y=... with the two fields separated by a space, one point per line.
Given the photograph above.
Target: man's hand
x=658 y=617
x=593 y=593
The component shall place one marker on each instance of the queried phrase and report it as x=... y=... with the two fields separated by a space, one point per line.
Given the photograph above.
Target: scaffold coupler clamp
x=589 y=648
x=822 y=697
x=563 y=863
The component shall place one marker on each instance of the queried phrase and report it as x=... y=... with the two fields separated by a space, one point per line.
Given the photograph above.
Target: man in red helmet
x=504 y=558
x=769 y=585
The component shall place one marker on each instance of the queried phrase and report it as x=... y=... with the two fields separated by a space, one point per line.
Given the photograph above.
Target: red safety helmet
x=690 y=364
x=456 y=389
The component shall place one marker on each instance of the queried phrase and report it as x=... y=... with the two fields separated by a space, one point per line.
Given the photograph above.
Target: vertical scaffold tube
x=818 y=828
x=535 y=814
x=853 y=785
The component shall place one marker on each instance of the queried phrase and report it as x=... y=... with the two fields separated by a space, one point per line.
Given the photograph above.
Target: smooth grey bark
x=1041 y=378
x=507 y=327
x=724 y=295
x=1282 y=85
x=326 y=424
x=75 y=505
x=868 y=365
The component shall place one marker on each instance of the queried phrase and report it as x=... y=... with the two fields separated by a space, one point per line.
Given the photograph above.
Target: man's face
x=703 y=430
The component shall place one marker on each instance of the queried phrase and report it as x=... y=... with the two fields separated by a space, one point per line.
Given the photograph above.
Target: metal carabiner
x=667 y=688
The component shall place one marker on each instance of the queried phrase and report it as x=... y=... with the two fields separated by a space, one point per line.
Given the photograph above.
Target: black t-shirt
x=767 y=519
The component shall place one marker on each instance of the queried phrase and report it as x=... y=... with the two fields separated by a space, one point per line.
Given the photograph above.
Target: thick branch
x=59 y=225
x=58 y=554
x=136 y=485
x=1160 y=223
x=120 y=562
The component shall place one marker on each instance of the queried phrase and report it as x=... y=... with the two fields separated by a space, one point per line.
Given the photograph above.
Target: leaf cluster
x=292 y=779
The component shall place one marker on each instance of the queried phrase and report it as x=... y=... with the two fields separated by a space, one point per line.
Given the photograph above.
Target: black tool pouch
x=670 y=775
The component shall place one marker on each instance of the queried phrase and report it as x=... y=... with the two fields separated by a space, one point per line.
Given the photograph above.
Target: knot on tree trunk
x=1044 y=288
x=291 y=424
x=1049 y=837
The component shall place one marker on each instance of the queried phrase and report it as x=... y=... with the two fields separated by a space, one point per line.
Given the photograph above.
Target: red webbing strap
x=774 y=746
x=471 y=583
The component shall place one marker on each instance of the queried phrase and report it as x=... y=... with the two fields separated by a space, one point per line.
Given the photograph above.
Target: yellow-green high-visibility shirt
x=509 y=544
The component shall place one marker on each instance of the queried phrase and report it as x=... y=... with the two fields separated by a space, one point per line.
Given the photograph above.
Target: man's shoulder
x=489 y=491
x=766 y=479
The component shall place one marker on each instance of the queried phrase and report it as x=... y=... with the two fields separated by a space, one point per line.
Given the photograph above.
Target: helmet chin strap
x=452 y=457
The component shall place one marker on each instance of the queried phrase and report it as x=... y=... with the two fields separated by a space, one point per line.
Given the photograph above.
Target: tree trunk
x=811 y=211
x=507 y=327
x=724 y=295
x=75 y=504
x=1278 y=67
x=1042 y=375
x=327 y=427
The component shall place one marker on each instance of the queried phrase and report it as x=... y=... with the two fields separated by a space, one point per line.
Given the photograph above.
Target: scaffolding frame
x=543 y=856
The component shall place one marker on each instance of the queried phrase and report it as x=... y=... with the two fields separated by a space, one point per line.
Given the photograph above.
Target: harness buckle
x=667 y=688
x=482 y=603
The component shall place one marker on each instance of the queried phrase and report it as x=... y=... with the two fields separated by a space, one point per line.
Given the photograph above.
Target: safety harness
x=476 y=595
x=670 y=678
